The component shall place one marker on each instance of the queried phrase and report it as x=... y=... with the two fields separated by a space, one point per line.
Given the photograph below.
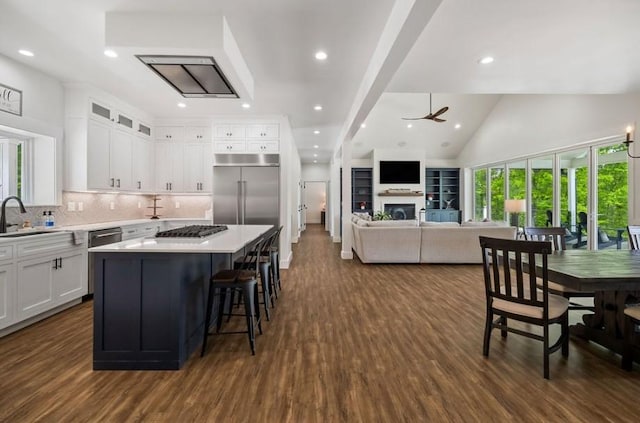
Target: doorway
x=314 y=203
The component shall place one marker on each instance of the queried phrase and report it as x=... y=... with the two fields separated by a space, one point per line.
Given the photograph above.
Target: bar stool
x=252 y=262
x=275 y=261
x=237 y=280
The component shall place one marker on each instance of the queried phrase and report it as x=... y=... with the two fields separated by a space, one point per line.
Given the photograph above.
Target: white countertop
x=120 y=223
x=229 y=241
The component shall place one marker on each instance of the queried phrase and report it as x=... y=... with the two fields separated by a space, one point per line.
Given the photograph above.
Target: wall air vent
x=191 y=76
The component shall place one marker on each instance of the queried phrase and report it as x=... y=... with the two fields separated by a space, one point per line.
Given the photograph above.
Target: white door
x=314 y=201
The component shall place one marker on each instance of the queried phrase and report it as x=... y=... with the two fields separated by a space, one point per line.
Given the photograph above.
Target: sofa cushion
x=362 y=222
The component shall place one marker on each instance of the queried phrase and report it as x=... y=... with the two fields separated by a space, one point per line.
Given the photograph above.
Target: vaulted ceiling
x=565 y=46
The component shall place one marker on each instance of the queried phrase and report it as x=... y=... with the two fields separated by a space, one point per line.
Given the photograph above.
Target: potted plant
x=381 y=215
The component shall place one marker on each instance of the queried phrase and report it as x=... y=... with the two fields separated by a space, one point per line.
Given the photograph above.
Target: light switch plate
x=112 y=206
x=71 y=206
x=80 y=206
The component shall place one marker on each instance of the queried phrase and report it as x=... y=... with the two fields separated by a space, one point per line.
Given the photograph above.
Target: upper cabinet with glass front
x=100 y=144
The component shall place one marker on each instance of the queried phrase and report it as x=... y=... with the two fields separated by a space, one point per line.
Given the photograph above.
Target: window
x=496 y=179
x=11 y=167
x=480 y=194
x=572 y=176
x=517 y=186
x=612 y=194
x=542 y=191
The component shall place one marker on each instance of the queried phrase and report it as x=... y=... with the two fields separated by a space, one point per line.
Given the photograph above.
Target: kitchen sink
x=25 y=233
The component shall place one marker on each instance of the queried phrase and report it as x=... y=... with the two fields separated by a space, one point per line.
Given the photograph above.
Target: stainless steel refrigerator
x=246 y=189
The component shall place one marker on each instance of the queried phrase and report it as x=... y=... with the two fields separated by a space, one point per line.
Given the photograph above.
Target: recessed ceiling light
x=316 y=132
x=110 y=53
x=316 y=146
x=315 y=161
x=27 y=53
x=315 y=155
x=486 y=60
x=321 y=55
x=317 y=107
x=458 y=126
x=182 y=105
x=363 y=125
x=246 y=105
x=409 y=125
x=445 y=144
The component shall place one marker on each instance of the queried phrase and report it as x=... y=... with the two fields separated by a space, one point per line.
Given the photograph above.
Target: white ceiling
x=562 y=46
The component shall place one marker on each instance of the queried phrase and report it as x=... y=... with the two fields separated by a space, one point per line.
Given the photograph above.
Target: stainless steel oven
x=98 y=238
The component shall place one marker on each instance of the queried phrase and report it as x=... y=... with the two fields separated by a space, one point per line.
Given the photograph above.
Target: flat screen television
x=405 y=172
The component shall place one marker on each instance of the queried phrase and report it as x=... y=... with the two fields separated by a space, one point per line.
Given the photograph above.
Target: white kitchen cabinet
x=143 y=166
x=98 y=153
x=198 y=134
x=35 y=286
x=198 y=163
x=169 y=166
x=7 y=295
x=229 y=146
x=69 y=280
x=109 y=152
x=230 y=131
x=267 y=131
x=247 y=138
x=265 y=146
x=50 y=271
x=169 y=133
x=120 y=155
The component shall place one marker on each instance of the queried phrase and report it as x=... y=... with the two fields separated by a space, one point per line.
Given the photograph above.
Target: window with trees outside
x=601 y=225
x=496 y=179
x=480 y=194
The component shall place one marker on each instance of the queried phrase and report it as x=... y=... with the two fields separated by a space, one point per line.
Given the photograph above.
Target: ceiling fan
x=432 y=116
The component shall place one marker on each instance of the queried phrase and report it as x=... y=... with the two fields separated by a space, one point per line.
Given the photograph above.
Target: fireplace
x=401 y=211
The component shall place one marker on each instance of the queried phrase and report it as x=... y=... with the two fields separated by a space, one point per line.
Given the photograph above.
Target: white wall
x=316 y=171
x=524 y=125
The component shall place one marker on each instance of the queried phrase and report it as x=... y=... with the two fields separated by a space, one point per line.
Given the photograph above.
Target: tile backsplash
x=99 y=207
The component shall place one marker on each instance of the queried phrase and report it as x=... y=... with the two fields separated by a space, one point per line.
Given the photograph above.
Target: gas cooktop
x=193 y=231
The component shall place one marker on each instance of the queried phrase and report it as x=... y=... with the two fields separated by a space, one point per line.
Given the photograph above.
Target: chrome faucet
x=3 y=216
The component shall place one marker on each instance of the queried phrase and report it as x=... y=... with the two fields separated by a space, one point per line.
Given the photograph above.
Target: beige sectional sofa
x=406 y=241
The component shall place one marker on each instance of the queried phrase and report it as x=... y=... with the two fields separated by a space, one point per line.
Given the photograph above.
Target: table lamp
x=514 y=208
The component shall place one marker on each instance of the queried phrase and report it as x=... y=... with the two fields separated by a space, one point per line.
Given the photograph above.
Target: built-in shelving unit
x=442 y=187
x=362 y=190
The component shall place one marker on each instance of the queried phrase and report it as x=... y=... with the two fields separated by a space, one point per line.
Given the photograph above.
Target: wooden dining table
x=613 y=276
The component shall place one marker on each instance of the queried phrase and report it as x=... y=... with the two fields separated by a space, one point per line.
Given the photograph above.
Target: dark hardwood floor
x=347 y=343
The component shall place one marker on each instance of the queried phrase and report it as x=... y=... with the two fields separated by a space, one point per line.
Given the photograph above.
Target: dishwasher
x=96 y=239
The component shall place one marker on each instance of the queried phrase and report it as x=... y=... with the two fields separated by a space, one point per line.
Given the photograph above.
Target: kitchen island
x=150 y=296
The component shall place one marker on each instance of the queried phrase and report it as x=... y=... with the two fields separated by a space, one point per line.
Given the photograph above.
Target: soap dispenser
x=50 y=222
x=44 y=219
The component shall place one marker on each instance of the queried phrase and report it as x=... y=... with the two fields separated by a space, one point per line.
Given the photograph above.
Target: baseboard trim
x=284 y=263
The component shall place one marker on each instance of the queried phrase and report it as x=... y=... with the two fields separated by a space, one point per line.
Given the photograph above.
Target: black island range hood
x=191 y=76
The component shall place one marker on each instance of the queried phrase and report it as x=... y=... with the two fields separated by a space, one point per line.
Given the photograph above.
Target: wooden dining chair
x=634 y=237
x=520 y=299
x=556 y=235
